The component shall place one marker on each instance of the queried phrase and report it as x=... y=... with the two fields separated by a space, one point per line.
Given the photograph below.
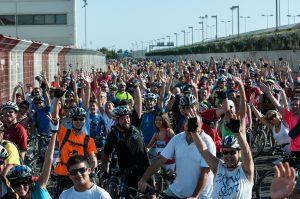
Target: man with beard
x=14 y=131
x=129 y=145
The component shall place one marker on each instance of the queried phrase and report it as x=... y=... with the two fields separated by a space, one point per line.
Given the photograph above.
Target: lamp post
x=215 y=16
x=288 y=12
x=238 y=18
x=176 y=34
x=294 y=16
x=225 y=22
x=187 y=38
x=84 y=6
x=168 y=36
x=245 y=18
x=183 y=37
x=202 y=31
x=191 y=27
x=270 y=15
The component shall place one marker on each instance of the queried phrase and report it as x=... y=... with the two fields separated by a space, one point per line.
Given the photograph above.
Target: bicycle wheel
x=258 y=143
x=263 y=185
x=113 y=189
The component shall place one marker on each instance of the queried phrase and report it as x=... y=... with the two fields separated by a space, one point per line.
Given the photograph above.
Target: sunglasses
x=231 y=84
x=75 y=171
x=40 y=102
x=18 y=184
x=229 y=152
x=78 y=119
x=272 y=116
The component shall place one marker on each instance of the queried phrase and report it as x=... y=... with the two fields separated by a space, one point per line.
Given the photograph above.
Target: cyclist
x=13 y=156
x=232 y=178
x=73 y=141
x=79 y=170
x=129 y=146
x=13 y=131
x=23 y=117
x=193 y=176
x=21 y=176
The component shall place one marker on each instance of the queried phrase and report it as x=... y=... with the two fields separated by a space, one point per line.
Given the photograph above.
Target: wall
x=293 y=57
x=64 y=35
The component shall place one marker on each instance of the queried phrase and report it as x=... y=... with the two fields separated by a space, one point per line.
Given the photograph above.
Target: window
x=7 y=20
x=61 y=19
x=49 y=19
x=25 y=19
x=39 y=19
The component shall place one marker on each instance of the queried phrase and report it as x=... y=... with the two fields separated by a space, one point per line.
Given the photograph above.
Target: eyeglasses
x=272 y=116
x=17 y=184
x=229 y=152
x=75 y=119
x=75 y=171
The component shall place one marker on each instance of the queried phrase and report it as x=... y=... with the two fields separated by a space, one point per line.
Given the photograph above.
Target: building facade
x=45 y=21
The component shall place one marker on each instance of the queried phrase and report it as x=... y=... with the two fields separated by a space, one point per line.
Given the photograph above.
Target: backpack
x=84 y=145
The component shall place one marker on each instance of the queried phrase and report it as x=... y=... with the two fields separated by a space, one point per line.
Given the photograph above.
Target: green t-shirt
x=123 y=96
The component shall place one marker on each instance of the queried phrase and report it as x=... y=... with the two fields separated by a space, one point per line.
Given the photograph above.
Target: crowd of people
x=187 y=116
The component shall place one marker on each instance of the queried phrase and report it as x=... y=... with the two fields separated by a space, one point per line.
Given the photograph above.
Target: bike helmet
x=231 y=142
x=10 y=105
x=20 y=173
x=69 y=92
x=121 y=84
x=187 y=100
x=187 y=89
x=38 y=99
x=120 y=111
x=3 y=152
x=113 y=87
x=150 y=96
x=77 y=112
x=222 y=78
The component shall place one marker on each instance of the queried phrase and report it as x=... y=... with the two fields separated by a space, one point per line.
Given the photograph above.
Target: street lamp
x=168 y=36
x=183 y=37
x=215 y=16
x=176 y=34
x=294 y=16
x=270 y=15
x=225 y=22
x=248 y=17
x=191 y=27
x=84 y=6
x=204 y=17
x=202 y=31
x=238 y=17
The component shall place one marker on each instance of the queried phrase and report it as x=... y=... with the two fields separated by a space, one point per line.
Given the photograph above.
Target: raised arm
x=274 y=101
x=243 y=105
x=137 y=96
x=260 y=116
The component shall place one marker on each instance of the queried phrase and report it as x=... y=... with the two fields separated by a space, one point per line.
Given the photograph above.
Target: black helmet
x=10 y=105
x=19 y=173
x=77 y=112
x=187 y=100
x=120 y=111
x=38 y=99
x=231 y=142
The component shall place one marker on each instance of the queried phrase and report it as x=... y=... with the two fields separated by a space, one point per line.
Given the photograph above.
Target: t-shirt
x=188 y=164
x=123 y=96
x=231 y=184
x=211 y=115
x=17 y=134
x=250 y=91
x=70 y=149
x=292 y=120
x=39 y=192
x=41 y=120
x=147 y=125
x=93 y=193
x=13 y=153
x=96 y=126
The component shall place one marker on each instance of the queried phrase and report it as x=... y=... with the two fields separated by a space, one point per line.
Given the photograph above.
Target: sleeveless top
x=282 y=136
x=231 y=184
x=160 y=144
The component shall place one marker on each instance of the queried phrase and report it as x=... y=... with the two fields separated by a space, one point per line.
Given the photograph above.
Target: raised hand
x=283 y=182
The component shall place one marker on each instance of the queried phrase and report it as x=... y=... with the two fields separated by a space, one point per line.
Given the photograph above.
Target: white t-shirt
x=188 y=163
x=109 y=122
x=93 y=193
x=231 y=184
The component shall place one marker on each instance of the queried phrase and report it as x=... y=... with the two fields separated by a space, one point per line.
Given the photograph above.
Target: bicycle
x=264 y=182
x=257 y=140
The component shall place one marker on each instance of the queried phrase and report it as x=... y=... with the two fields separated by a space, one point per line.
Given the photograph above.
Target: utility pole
x=84 y=6
x=176 y=34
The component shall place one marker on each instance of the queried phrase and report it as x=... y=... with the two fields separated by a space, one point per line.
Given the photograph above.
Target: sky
x=131 y=24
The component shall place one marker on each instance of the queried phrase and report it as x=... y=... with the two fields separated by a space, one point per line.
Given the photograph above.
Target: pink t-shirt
x=292 y=120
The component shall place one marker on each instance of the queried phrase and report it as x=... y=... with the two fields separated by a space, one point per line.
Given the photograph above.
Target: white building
x=47 y=21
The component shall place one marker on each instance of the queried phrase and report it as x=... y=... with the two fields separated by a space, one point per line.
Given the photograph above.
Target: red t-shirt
x=292 y=120
x=250 y=91
x=210 y=115
x=18 y=135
